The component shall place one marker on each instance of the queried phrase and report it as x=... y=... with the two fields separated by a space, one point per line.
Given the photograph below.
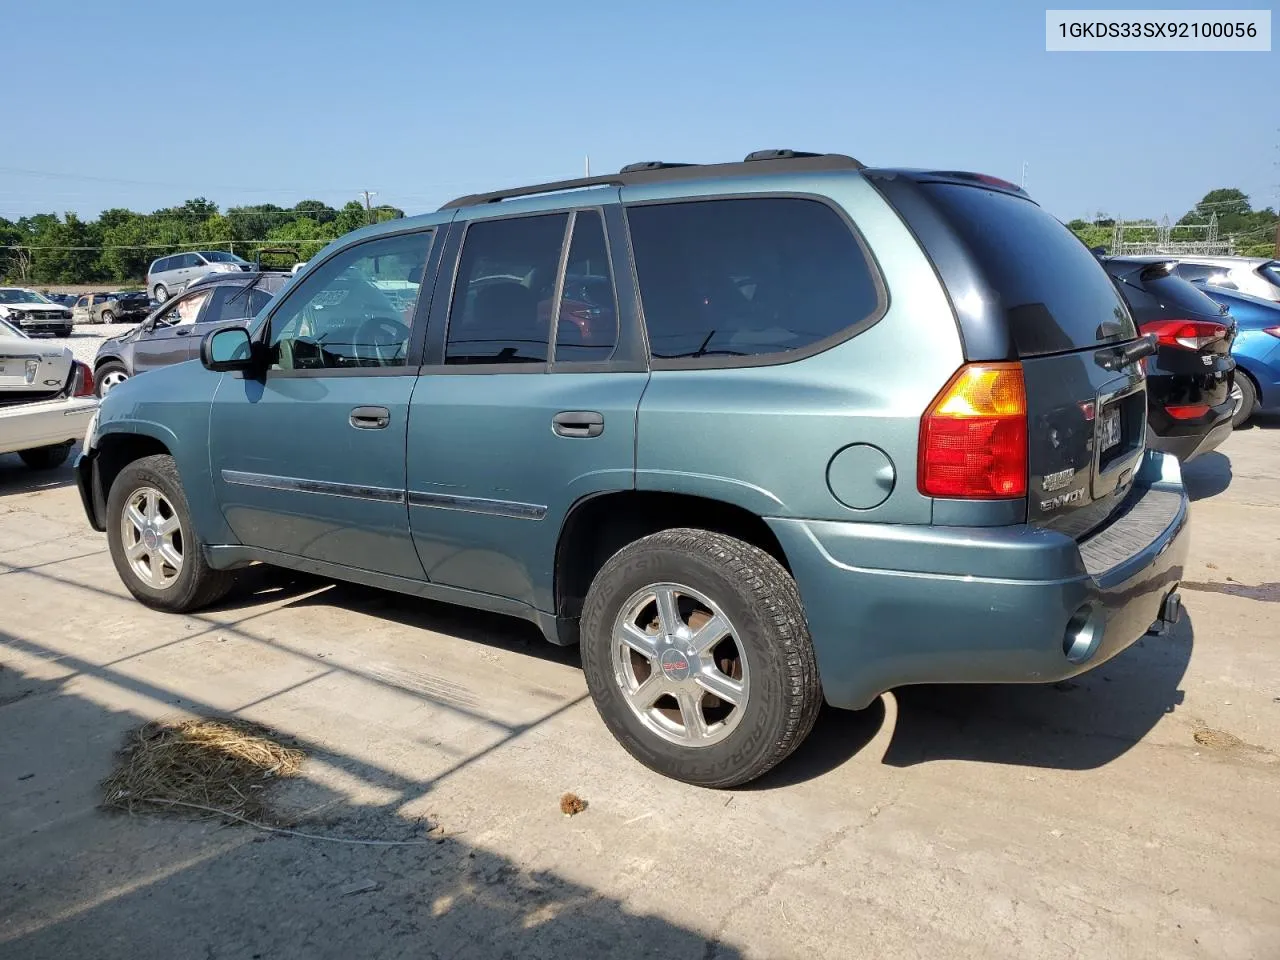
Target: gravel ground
x=85 y=338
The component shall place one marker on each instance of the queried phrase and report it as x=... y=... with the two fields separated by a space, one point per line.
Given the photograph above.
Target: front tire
x=698 y=657
x=46 y=458
x=1248 y=403
x=109 y=376
x=159 y=293
x=153 y=542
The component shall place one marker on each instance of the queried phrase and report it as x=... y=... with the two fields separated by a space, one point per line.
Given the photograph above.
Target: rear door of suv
x=1025 y=289
x=516 y=417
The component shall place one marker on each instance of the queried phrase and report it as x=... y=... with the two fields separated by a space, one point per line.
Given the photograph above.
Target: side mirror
x=227 y=349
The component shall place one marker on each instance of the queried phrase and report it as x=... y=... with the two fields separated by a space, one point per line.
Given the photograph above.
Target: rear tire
x=46 y=458
x=153 y=542
x=679 y=726
x=1248 y=404
x=106 y=316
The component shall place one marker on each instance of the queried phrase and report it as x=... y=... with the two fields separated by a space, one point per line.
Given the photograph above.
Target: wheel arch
x=116 y=449
x=598 y=525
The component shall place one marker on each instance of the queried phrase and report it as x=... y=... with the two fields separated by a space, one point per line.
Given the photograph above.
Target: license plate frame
x=1109 y=429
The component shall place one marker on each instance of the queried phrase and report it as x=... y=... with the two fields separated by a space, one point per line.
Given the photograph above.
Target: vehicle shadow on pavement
x=17 y=477
x=1263 y=421
x=1078 y=724
x=82 y=882
x=474 y=626
x=1207 y=476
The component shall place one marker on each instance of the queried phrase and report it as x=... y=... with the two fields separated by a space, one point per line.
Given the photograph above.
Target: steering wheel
x=387 y=336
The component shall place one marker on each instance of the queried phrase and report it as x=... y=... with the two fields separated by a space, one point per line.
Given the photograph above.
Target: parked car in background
x=1189 y=380
x=1256 y=276
x=61 y=299
x=172 y=332
x=1256 y=350
x=172 y=274
x=800 y=430
x=111 y=308
x=32 y=313
x=46 y=399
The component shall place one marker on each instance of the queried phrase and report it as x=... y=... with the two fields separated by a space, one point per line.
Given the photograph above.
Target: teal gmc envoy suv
x=756 y=435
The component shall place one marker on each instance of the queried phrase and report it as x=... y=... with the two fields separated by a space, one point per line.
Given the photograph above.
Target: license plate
x=1109 y=429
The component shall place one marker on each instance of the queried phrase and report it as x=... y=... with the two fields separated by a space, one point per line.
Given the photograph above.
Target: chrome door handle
x=370 y=418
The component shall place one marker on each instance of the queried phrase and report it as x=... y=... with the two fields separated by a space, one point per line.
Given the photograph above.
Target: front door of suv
x=308 y=459
x=169 y=339
x=516 y=418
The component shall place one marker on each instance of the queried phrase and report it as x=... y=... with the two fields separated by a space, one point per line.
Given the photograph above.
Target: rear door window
x=1052 y=291
x=748 y=278
x=587 y=327
x=501 y=309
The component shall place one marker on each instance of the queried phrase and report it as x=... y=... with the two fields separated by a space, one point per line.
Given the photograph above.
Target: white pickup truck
x=46 y=399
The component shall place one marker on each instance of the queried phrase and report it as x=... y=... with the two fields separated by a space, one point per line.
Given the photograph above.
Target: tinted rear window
x=750 y=277
x=1053 y=292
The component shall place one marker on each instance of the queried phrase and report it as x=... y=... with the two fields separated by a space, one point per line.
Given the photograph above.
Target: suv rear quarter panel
x=762 y=436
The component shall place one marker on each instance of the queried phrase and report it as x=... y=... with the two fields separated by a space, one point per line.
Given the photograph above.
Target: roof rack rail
x=755 y=156
x=653 y=165
x=656 y=171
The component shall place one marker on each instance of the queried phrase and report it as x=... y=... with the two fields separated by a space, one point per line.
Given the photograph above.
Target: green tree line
x=120 y=244
x=1254 y=231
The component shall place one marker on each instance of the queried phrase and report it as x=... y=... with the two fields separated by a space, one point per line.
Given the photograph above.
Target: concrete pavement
x=1133 y=812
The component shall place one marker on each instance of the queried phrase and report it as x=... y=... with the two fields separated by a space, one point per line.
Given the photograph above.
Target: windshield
x=21 y=296
x=1272 y=272
x=217 y=256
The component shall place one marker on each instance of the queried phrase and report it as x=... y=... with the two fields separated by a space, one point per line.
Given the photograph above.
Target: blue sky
x=280 y=101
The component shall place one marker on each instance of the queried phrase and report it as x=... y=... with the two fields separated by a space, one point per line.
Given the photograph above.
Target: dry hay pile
x=199 y=768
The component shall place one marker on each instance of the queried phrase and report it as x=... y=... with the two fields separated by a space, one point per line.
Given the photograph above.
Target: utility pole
x=1276 y=251
x=588 y=166
x=368 y=207
x=1024 y=175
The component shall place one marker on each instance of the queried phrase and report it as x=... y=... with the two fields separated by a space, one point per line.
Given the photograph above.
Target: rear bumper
x=44 y=423
x=893 y=605
x=1186 y=441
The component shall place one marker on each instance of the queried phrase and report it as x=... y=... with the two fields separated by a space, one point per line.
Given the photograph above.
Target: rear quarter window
x=762 y=278
x=1052 y=292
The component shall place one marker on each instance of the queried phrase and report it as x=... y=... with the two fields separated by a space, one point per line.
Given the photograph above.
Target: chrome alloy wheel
x=679 y=665
x=152 y=537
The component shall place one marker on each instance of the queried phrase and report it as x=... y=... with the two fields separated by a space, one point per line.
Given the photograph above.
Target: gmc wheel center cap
x=150 y=538
x=675 y=664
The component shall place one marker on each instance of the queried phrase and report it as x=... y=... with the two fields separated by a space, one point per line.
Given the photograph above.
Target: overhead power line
x=197 y=245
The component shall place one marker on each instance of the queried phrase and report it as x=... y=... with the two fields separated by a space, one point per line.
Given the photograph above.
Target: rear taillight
x=973 y=438
x=1188 y=334
x=1187 y=411
x=82 y=380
